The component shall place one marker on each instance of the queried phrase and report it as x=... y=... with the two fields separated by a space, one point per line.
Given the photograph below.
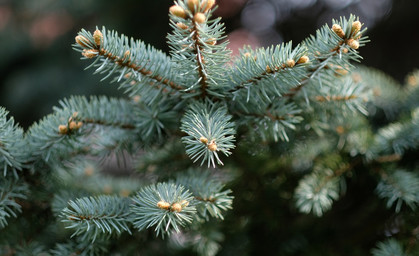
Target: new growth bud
x=90 y=53
x=181 y=25
x=127 y=54
x=177 y=11
x=62 y=129
x=207 y=5
x=176 y=207
x=199 y=17
x=203 y=140
x=356 y=27
x=354 y=44
x=192 y=4
x=98 y=37
x=338 y=30
x=72 y=125
x=212 y=146
x=184 y=203
x=163 y=205
x=303 y=59
x=82 y=41
x=212 y=41
x=290 y=63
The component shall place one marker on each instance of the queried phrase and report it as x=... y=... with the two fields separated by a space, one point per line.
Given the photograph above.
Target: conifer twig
x=199 y=60
x=128 y=63
x=99 y=122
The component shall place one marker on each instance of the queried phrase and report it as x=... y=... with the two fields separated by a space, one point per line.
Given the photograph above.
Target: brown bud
x=356 y=77
x=177 y=11
x=127 y=54
x=90 y=53
x=176 y=207
x=212 y=146
x=345 y=50
x=82 y=41
x=376 y=92
x=338 y=30
x=89 y=170
x=290 y=63
x=72 y=125
x=163 y=205
x=340 y=129
x=207 y=5
x=184 y=203
x=212 y=41
x=412 y=80
x=98 y=37
x=341 y=71
x=79 y=125
x=268 y=69
x=181 y=25
x=354 y=44
x=192 y=5
x=107 y=189
x=247 y=54
x=199 y=17
x=124 y=192
x=62 y=129
x=203 y=140
x=136 y=98
x=356 y=27
x=303 y=59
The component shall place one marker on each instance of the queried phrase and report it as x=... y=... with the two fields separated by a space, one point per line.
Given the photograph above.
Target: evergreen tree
x=288 y=132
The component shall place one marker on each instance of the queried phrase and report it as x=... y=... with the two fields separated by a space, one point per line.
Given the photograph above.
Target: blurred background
x=38 y=66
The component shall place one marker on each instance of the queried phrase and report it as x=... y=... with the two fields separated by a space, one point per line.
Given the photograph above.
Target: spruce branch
x=397 y=137
x=209 y=131
x=165 y=205
x=65 y=132
x=10 y=192
x=12 y=153
x=194 y=47
x=386 y=93
x=317 y=190
x=48 y=138
x=316 y=193
x=268 y=73
x=398 y=187
x=91 y=217
x=80 y=247
x=272 y=121
x=131 y=61
x=30 y=248
x=98 y=126
x=337 y=46
x=208 y=192
x=100 y=111
x=348 y=96
x=412 y=90
x=206 y=241
x=389 y=247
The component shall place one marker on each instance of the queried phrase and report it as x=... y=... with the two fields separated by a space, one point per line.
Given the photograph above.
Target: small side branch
x=266 y=114
x=269 y=71
x=293 y=91
x=122 y=62
x=209 y=199
x=200 y=61
x=335 y=98
x=120 y=125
